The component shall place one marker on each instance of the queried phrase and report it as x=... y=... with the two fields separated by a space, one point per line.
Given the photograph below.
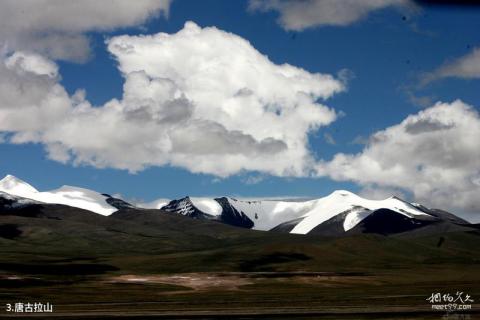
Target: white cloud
x=299 y=15
x=433 y=154
x=30 y=62
x=201 y=99
x=57 y=27
x=31 y=99
x=466 y=67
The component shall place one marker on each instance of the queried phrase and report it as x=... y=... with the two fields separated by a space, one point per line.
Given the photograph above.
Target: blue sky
x=386 y=52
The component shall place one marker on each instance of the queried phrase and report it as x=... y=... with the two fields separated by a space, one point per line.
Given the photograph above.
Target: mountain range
x=340 y=213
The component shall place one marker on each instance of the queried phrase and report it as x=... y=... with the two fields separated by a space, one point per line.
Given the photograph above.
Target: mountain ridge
x=339 y=213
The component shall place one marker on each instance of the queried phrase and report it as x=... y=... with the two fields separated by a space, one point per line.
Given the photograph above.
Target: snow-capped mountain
x=77 y=197
x=339 y=212
x=218 y=209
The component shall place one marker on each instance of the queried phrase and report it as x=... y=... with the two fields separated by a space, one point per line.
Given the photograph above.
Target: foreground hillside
x=160 y=264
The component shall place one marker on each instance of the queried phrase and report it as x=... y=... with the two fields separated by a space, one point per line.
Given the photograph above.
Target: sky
x=276 y=98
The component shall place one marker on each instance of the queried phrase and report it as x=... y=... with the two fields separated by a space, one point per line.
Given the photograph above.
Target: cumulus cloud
x=202 y=99
x=299 y=15
x=30 y=97
x=433 y=155
x=466 y=67
x=57 y=28
x=23 y=62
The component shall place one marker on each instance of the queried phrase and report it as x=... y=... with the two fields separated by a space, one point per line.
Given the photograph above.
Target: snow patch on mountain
x=155 y=204
x=267 y=214
x=354 y=217
x=207 y=205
